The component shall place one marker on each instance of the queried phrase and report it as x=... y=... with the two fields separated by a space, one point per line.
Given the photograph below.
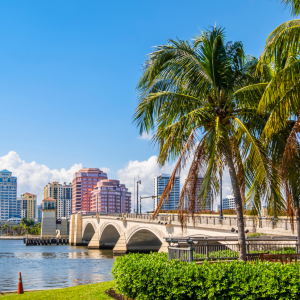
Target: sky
x=68 y=76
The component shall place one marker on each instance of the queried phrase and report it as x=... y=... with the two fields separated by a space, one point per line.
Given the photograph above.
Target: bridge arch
x=146 y=238
x=88 y=232
x=109 y=235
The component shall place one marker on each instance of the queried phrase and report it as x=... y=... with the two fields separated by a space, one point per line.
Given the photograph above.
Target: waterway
x=45 y=267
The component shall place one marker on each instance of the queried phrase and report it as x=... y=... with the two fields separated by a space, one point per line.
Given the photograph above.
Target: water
x=45 y=267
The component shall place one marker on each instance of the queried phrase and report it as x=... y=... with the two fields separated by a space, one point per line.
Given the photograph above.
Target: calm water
x=45 y=267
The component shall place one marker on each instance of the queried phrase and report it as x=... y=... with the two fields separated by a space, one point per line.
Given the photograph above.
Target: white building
x=228 y=202
x=198 y=206
x=63 y=196
x=9 y=206
x=160 y=183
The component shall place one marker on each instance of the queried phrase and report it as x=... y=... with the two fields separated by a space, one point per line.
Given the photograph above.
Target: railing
x=227 y=248
x=217 y=251
x=182 y=254
x=208 y=220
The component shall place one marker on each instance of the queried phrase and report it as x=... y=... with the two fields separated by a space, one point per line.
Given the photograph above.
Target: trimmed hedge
x=152 y=276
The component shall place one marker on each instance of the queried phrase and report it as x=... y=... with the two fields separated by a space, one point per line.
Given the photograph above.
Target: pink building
x=111 y=196
x=83 y=183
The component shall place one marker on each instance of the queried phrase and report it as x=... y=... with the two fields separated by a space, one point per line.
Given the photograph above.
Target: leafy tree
x=186 y=95
x=15 y=228
x=4 y=227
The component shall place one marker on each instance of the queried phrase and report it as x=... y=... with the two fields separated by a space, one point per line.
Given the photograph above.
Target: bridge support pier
x=71 y=229
x=94 y=242
x=164 y=247
x=120 y=247
x=78 y=230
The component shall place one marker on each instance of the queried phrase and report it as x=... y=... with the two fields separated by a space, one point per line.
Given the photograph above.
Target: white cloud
x=105 y=170
x=146 y=136
x=32 y=177
x=146 y=171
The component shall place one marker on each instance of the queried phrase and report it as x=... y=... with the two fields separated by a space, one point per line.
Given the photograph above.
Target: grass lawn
x=88 y=292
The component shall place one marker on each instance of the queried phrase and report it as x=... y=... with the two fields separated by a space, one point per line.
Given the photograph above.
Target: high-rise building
x=228 y=202
x=160 y=183
x=110 y=196
x=28 y=206
x=63 y=196
x=198 y=206
x=84 y=181
x=15 y=209
x=8 y=196
x=39 y=213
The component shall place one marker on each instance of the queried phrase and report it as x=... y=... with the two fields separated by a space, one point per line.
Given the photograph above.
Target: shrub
x=256 y=234
x=228 y=211
x=153 y=276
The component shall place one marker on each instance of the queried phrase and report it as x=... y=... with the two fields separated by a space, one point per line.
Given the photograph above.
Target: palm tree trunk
x=238 y=204
x=298 y=224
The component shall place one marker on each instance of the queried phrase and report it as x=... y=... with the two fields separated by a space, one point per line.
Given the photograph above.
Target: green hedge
x=152 y=276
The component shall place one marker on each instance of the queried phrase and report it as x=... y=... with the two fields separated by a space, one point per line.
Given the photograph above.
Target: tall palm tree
x=186 y=96
x=279 y=100
x=292 y=5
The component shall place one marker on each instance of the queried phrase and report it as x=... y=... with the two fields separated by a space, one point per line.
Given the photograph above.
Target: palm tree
x=279 y=100
x=15 y=228
x=293 y=5
x=186 y=96
x=4 y=227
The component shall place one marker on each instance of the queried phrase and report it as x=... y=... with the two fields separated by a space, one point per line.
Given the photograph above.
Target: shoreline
x=12 y=237
x=85 y=291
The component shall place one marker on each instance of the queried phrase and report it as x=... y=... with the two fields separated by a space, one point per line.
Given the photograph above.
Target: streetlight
x=221 y=205
x=137 y=196
x=153 y=197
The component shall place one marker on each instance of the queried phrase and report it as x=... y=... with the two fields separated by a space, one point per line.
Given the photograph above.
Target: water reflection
x=52 y=266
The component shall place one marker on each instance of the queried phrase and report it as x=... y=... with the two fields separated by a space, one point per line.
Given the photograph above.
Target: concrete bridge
x=132 y=232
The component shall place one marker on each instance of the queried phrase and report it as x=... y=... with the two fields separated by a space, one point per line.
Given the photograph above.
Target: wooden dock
x=37 y=240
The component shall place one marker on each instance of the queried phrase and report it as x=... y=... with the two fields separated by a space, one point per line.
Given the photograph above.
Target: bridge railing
x=211 y=220
x=200 y=249
x=182 y=254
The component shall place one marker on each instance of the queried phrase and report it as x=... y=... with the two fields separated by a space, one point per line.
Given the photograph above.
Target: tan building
x=62 y=193
x=49 y=219
x=28 y=206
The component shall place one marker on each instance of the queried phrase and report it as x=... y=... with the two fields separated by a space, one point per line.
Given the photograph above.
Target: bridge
x=138 y=232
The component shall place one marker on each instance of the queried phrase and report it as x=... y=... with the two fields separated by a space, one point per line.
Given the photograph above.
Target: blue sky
x=68 y=70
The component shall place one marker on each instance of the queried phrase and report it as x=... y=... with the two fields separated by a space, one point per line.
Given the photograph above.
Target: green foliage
x=229 y=212
x=35 y=229
x=257 y=234
x=27 y=225
x=15 y=228
x=86 y=292
x=152 y=276
x=4 y=227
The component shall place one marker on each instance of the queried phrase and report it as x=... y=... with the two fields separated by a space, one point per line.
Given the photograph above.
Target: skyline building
x=83 y=183
x=198 y=206
x=8 y=196
x=110 y=196
x=63 y=196
x=160 y=183
x=39 y=213
x=28 y=206
x=228 y=202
